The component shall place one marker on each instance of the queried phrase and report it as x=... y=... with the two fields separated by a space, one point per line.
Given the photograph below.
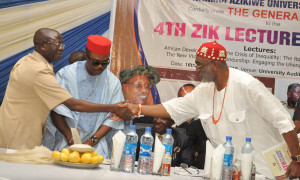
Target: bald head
x=48 y=43
x=44 y=34
x=185 y=89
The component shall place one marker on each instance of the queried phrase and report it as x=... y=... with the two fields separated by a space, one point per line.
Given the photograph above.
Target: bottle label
x=128 y=164
x=130 y=148
x=167 y=159
x=228 y=160
x=145 y=150
x=165 y=169
x=168 y=149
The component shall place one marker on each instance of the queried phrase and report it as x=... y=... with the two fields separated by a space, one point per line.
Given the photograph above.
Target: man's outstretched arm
x=157 y=110
x=85 y=106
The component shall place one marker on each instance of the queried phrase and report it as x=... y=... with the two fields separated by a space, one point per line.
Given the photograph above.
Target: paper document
x=278 y=158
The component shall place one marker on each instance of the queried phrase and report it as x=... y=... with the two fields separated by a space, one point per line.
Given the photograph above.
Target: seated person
x=183 y=90
x=136 y=86
x=182 y=151
x=195 y=131
x=91 y=81
x=292 y=96
x=198 y=138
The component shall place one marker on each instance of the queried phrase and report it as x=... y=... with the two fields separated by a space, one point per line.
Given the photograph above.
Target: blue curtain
x=75 y=39
x=11 y=3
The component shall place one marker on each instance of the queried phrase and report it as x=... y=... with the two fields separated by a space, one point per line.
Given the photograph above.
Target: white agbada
x=102 y=89
x=250 y=110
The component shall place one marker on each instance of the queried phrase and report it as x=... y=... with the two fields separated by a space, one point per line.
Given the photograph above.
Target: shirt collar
x=163 y=135
x=34 y=53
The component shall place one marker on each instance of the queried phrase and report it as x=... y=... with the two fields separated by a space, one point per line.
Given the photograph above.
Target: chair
x=182 y=130
x=142 y=125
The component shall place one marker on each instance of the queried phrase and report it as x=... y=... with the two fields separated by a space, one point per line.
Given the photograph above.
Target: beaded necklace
x=213 y=116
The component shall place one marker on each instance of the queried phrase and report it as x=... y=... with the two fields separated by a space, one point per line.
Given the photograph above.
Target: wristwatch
x=95 y=140
x=296 y=158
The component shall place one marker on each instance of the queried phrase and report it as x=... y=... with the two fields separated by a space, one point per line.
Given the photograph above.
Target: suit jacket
x=198 y=138
x=144 y=119
x=182 y=146
x=297 y=111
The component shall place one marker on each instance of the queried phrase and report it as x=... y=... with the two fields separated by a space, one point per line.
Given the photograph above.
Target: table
x=17 y=171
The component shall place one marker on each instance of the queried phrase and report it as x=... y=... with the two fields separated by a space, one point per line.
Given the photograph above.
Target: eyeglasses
x=58 y=45
x=97 y=63
x=137 y=85
x=202 y=65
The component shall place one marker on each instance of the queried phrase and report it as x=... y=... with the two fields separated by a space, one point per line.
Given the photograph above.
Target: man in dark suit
x=195 y=131
x=296 y=117
x=182 y=151
x=198 y=138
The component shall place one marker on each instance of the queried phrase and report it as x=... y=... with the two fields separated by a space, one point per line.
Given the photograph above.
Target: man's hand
x=133 y=108
x=293 y=171
x=89 y=142
x=125 y=111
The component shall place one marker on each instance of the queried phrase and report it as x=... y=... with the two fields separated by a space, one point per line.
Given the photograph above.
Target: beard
x=205 y=78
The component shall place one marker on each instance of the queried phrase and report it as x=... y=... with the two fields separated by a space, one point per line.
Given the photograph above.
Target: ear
x=124 y=86
x=289 y=94
x=42 y=46
x=215 y=65
x=124 y=89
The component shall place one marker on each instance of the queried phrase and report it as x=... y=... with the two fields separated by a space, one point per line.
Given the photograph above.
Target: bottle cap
x=133 y=127
x=228 y=138
x=248 y=139
x=148 y=128
x=169 y=130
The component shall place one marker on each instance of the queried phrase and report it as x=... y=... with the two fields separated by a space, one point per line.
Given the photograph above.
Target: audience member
x=195 y=131
x=183 y=90
x=198 y=139
x=293 y=93
x=78 y=55
x=182 y=151
x=296 y=117
x=32 y=91
x=91 y=81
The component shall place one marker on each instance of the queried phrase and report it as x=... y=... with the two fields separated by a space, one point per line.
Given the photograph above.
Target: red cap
x=213 y=51
x=98 y=44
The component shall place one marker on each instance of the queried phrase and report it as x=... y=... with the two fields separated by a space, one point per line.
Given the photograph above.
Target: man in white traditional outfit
x=88 y=80
x=230 y=102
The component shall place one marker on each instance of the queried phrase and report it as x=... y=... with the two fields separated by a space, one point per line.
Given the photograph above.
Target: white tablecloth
x=16 y=171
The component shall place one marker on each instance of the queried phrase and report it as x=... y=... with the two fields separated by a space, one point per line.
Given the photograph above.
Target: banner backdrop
x=262 y=38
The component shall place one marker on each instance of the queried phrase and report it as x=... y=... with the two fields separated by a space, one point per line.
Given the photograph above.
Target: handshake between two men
x=127 y=111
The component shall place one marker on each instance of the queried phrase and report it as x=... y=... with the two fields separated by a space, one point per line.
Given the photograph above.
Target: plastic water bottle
x=145 y=152
x=128 y=156
x=228 y=157
x=168 y=142
x=247 y=149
